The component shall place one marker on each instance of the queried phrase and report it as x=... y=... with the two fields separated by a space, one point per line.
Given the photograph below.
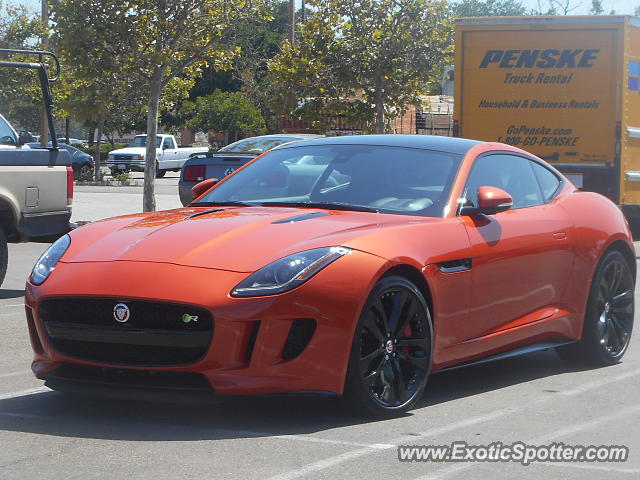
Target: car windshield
x=7 y=137
x=347 y=177
x=141 y=141
x=256 y=144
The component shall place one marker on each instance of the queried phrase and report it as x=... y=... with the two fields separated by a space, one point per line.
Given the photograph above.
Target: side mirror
x=491 y=200
x=199 y=188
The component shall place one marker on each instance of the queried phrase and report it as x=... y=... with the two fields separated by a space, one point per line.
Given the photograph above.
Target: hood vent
x=299 y=218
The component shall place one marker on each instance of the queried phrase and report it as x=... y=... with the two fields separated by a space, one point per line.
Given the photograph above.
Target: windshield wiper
x=222 y=204
x=325 y=205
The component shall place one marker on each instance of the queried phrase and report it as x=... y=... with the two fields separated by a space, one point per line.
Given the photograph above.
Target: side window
x=511 y=173
x=168 y=143
x=548 y=180
x=7 y=136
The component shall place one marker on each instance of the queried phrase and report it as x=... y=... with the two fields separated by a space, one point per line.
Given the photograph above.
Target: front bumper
x=124 y=165
x=248 y=349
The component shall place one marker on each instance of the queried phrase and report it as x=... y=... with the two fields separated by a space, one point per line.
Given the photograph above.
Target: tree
x=383 y=51
x=637 y=11
x=163 y=42
x=20 y=95
x=596 y=7
x=228 y=112
x=555 y=7
x=488 y=8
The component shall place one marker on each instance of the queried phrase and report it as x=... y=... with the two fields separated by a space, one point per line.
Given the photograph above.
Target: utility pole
x=292 y=21
x=44 y=126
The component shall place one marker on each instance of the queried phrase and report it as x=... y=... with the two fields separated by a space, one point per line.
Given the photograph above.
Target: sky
x=581 y=6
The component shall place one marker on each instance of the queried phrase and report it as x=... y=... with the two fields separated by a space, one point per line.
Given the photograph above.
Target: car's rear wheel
x=391 y=353
x=159 y=173
x=4 y=255
x=608 y=321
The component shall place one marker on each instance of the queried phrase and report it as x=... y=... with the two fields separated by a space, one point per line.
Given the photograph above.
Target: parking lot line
x=555 y=435
x=23 y=393
x=354 y=454
x=235 y=433
x=13 y=305
x=14 y=374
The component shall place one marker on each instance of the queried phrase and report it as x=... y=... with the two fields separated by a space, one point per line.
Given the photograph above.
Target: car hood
x=129 y=151
x=241 y=239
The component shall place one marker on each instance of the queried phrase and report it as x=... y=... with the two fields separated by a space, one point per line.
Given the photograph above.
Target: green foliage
x=488 y=8
x=20 y=94
x=105 y=148
x=596 y=7
x=379 y=51
x=225 y=111
x=122 y=177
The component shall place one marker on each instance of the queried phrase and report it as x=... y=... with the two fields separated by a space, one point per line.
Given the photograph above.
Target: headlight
x=47 y=262
x=288 y=272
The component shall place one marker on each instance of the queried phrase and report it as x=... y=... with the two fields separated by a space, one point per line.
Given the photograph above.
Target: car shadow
x=8 y=293
x=53 y=413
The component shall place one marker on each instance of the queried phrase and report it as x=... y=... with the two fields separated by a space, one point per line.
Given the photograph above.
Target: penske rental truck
x=565 y=88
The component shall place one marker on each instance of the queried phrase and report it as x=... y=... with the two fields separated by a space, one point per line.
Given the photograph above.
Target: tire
x=159 y=173
x=608 y=321
x=84 y=170
x=4 y=255
x=390 y=358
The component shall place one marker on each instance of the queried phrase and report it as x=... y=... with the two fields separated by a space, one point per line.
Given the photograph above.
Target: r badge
x=186 y=318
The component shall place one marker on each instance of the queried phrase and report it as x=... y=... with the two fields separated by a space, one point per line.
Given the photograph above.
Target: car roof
x=426 y=142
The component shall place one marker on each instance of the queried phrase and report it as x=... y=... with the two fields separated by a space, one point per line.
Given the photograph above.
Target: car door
x=521 y=258
x=169 y=154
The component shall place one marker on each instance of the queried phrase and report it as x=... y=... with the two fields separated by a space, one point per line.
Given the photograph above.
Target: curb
x=110 y=183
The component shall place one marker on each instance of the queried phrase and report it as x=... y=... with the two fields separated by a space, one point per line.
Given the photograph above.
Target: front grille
x=122 y=157
x=155 y=333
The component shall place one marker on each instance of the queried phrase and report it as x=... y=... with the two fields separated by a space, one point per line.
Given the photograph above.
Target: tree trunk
x=379 y=106
x=97 y=159
x=149 y=198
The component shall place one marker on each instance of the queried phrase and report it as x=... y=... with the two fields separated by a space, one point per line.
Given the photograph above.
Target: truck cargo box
x=564 y=88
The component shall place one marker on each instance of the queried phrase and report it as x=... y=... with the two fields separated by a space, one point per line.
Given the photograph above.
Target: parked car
x=36 y=186
x=225 y=161
x=81 y=162
x=324 y=266
x=168 y=156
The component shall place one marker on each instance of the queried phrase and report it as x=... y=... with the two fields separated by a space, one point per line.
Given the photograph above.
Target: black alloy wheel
x=391 y=354
x=608 y=321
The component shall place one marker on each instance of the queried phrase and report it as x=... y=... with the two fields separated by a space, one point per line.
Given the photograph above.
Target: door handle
x=559 y=235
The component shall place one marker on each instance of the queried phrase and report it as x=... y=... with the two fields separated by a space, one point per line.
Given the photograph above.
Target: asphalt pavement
x=536 y=399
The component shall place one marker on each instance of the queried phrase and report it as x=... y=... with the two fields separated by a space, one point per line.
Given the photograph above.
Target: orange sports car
x=354 y=266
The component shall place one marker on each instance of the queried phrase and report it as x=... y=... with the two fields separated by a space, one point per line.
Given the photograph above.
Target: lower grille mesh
x=154 y=333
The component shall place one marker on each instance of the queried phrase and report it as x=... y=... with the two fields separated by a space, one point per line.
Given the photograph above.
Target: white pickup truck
x=168 y=155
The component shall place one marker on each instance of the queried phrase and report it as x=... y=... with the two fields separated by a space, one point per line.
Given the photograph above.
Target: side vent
x=302 y=329
x=251 y=343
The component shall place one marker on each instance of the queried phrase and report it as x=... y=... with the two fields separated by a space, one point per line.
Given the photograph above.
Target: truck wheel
x=4 y=255
x=159 y=173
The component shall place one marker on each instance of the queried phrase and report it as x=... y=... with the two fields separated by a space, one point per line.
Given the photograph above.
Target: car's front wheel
x=608 y=321
x=391 y=353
